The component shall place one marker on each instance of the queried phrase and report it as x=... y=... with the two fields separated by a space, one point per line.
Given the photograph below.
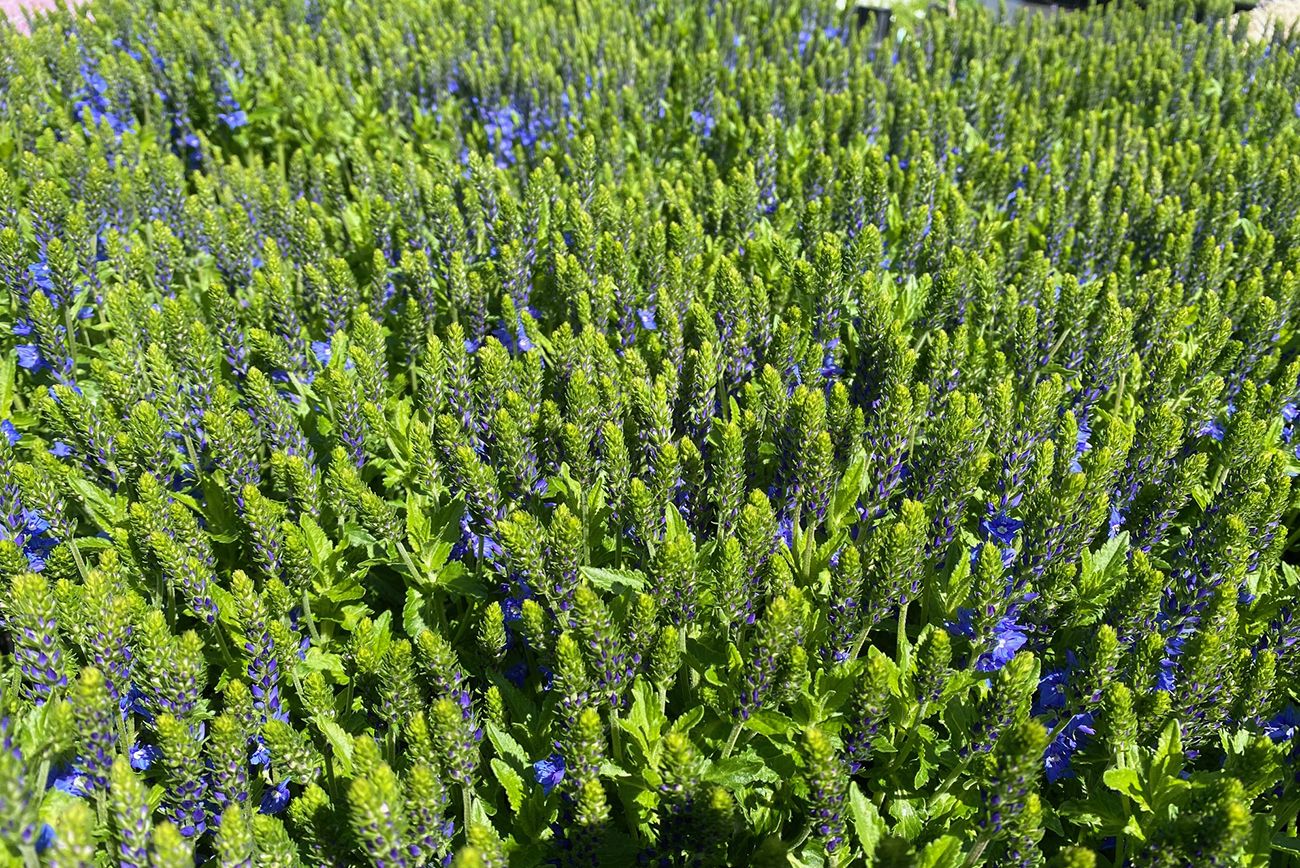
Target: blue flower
x=234 y=120
x=34 y=523
x=29 y=357
x=143 y=756
x=11 y=433
x=1116 y=522
x=1284 y=725
x=321 y=350
x=39 y=272
x=70 y=780
x=1051 y=691
x=1001 y=527
x=261 y=755
x=517 y=673
x=275 y=799
x=1056 y=760
x=1212 y=429
x=647 y=317
x=60 y=449
x=1008 y=638
x=45 y=840
x=549 y=772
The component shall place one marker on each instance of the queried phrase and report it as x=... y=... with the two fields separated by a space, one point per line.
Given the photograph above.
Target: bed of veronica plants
x=659 y=433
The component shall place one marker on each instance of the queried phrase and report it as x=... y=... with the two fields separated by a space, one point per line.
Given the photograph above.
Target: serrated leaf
x=944 y=852
x=847 y=491
x=614 y=580
x=867 y=822
x=769 y=722
x=511 y=782
x=412 y=620
x=505 y=744
x=739 y=771
x=908 y=820
x=339 y=740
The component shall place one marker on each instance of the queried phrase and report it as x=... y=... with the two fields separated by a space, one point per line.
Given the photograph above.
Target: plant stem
x=307 y=616
x=467 y=799
x=80 y=561
x=615 y=740
x=904 y=647
x=731 y=741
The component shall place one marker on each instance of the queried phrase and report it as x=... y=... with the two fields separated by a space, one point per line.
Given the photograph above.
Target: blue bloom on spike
x=1001 y=527
x=261 y=754
x=276 y=799
x=143 y=756
x=1056 y=760
x=1008 y=638
x=549 y=772
x=29 y=357
x=1212 y=429
x=647 y=318
x=10 y=432
x=60 y=449
x=321 y=350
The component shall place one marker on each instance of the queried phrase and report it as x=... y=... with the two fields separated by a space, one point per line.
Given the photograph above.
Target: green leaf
x=688 y=720
x=908 y=820
x=106 y=510
x=317 y=542
x=1126 y=782
x=847 y=491
x=511 y=782
x=339 y=740
x=317 y=660
x=617 y=581
x=739 y=771
x=456 y=579
x=412 y=621
x=1284 y=844
x=867 y=822
x=769 y=723
x=944 y=852
x=505 y=744
x=675 y=525
x=417 y=521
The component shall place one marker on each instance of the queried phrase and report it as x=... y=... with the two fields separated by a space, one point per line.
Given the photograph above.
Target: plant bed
x=647 y=433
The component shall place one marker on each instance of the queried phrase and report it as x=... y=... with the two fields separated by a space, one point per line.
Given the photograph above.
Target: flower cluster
x=681 y=433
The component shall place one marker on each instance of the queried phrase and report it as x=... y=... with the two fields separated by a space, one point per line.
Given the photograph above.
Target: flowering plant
x=677 y=433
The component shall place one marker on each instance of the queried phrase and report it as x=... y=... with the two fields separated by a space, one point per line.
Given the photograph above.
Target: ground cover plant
x=647 y=433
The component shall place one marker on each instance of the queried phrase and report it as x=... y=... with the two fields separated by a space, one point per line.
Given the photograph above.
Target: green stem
x=857 y=647
x=406 y=559
x=976 y=852
x=956 y=773
x=467 y=799
x=615 y=740
x=904 y=647
x=307 y=616
x=80 y=561
x=731 y=740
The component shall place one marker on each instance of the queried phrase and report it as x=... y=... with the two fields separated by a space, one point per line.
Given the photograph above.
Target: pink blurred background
x=13 y=8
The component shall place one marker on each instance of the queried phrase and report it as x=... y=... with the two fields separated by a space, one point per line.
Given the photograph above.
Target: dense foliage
x=647 y=433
